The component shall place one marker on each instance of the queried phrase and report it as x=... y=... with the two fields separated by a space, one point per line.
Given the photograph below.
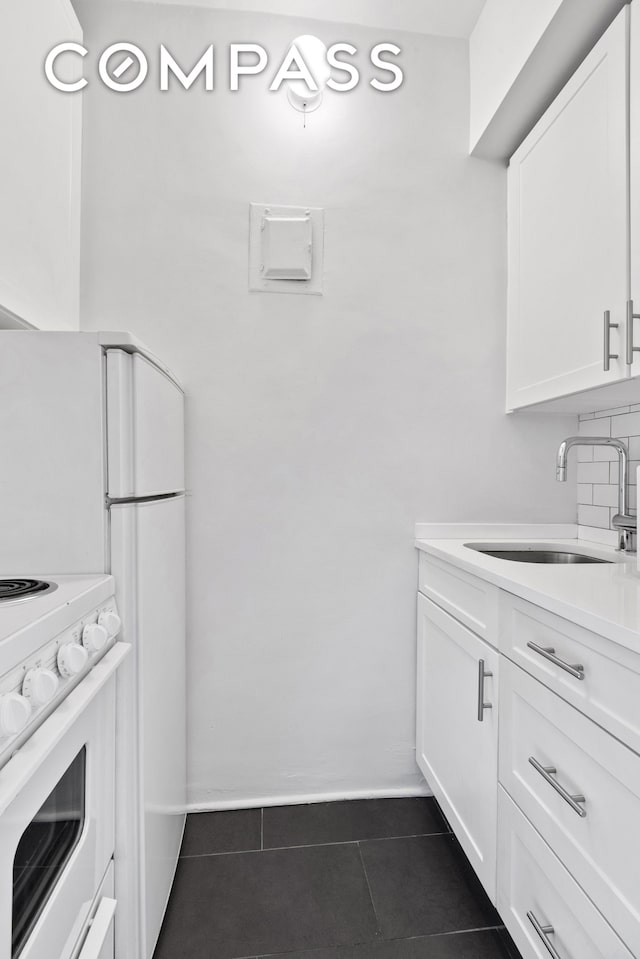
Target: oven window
x=44 y=850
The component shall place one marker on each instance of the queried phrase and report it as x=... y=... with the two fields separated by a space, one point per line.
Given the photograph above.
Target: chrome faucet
x=622 y=521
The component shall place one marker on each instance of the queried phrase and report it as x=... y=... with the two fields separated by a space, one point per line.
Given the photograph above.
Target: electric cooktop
x=15 y=589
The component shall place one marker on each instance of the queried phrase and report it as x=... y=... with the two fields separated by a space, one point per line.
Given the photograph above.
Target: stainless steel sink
x=534 y=554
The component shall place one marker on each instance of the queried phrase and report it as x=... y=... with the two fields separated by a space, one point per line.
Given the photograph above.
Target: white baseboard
x=257 y=802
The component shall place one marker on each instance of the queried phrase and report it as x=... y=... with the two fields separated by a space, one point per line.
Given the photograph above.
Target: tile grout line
x=316 y=845
x=459 y=932
x=373 y=905
x=381 y=941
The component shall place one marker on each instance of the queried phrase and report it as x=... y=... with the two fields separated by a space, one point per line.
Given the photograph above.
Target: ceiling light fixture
x=313 y=53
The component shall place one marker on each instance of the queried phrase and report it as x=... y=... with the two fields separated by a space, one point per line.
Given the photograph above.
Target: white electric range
x=58 y=660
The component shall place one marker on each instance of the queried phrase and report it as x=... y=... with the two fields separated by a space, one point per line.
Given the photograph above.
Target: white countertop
x=602 y=597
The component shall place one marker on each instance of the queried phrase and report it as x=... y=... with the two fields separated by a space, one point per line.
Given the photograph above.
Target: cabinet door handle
x=547 y=773
x=548 y=652
x=482 y=675
x=608 y=326
x=544 y=932
x=631 y=316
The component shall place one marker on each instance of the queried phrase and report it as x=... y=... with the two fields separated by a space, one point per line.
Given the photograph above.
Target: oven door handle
x=99 y=929
x=28 y=758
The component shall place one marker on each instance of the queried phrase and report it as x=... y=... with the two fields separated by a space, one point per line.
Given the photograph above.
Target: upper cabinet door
x=633 y=341
x=568 y=205
x=39 y=166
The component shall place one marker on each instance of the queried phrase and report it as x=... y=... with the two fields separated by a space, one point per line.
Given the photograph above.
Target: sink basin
x=523 y=553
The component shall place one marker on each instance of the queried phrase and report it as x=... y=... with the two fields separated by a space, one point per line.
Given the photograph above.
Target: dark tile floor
x=374 y=879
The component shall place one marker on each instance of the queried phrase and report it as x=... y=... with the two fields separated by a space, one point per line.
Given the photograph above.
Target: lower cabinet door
x=542 y=906
x=457 y=732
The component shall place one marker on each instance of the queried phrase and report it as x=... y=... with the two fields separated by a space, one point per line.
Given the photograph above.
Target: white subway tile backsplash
x=593 y=472
x=606 y=537
x=598 y=467
x=626 y=425
x=585 y=494
x=594 y=516
x=593 y=427
x=605 y=495
x=601 y=427
x=604 y=454
x=616 y=412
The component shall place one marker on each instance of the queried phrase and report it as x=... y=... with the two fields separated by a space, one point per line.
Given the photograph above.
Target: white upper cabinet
x=39 y=167
x=633 y=330
x=568 y=205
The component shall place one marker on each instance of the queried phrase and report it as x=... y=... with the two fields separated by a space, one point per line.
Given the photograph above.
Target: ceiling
x=450 y=18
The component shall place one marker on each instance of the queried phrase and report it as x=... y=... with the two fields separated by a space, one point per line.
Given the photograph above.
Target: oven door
x=57 y=821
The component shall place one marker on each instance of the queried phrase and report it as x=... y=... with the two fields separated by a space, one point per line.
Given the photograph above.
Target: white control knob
x=94 y=637
x=15 y=711
x=40 y=685
x=72 y=658
x=111 y=622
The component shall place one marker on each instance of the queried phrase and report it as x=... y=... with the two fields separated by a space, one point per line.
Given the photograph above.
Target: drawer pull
x=482 y=675
x=544 y=932
x=547 y=773
x=548 y=652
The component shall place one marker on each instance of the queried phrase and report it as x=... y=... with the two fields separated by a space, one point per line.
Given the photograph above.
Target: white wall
x=319 y=428
x=39 y=169
x=521 y=54
x=504 y=38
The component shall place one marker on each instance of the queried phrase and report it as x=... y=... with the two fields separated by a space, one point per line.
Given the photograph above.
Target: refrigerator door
x=148 y=561
x=145 y=428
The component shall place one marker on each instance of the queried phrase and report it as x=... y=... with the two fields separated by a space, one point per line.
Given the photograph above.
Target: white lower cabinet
x=532 y=752
x=599 y=678
x=580 y=788
x=543 y=907
x=457 y=732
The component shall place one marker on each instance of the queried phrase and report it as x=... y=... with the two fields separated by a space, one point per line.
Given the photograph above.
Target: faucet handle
x=627 y=526
x=624 y=521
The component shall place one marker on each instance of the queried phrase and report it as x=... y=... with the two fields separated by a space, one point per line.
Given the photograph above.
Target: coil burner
x=12 y=590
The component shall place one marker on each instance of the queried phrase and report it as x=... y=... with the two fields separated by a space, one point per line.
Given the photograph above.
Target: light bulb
x=314 y=53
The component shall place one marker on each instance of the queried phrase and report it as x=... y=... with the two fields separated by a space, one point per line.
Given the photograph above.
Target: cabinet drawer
x=609 y=690
x=532 y=882
x=583 y=796
x=467 y=598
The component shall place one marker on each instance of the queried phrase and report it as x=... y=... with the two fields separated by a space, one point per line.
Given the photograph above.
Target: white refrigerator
x=92 y=480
